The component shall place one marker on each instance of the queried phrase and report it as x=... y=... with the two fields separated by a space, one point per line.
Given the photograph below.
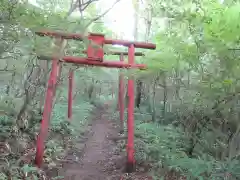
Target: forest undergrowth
x=18 y=146
x=187 y=101
x=163 y=151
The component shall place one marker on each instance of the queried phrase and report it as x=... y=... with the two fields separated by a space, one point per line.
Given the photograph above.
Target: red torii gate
x=94 y=58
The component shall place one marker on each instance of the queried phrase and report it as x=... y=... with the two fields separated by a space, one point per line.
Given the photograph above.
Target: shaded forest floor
x=97 y=157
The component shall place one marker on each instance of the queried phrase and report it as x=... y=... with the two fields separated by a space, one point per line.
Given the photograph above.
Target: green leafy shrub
x=166 y=147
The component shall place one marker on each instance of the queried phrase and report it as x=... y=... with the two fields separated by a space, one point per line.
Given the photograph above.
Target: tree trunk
x=138 y=81
x=138 y=93
x=149 y=109
x=148 y=23
x=44 y=65
x=154 y=99
x=90 y=90
x=177 y=81
x=154 y=102
x=164 y=96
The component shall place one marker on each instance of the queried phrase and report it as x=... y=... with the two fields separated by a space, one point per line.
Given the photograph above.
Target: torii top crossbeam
x=95 y=54
x=80 y=37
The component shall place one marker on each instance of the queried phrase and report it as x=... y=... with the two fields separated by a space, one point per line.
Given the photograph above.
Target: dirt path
x=100 y=160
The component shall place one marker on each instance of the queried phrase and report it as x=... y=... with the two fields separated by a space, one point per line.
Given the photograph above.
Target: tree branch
x=85 y=5
x=101 y=15
x=80 y=5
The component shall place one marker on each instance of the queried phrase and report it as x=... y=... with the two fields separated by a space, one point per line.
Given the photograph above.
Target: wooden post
x=130 y=121
x=70 y=91
x=46 y=113
x=121 y=98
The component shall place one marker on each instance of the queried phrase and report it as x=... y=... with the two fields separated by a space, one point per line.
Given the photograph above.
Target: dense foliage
x=23 y=83
x=195 y=90
x=187 y=106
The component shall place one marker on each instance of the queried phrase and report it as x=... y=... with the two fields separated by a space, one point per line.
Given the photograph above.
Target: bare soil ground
x=100 y=159
x=97 y=160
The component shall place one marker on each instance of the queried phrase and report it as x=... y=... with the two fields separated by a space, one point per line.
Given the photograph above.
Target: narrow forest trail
x=99 y=160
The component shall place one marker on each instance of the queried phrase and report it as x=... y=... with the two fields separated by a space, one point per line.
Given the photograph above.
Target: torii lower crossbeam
x=92 y=62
